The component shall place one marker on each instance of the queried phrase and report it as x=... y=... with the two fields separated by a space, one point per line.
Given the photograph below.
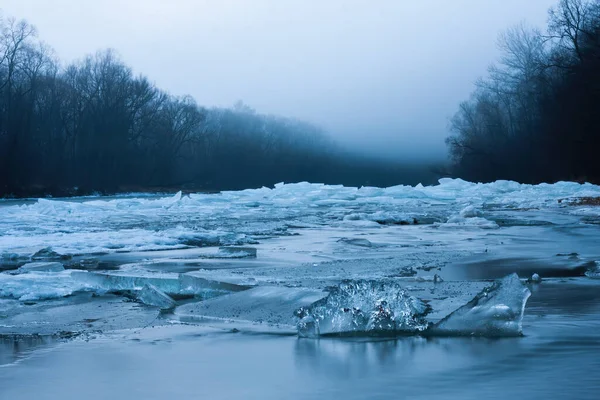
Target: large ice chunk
x=152 y=296
x=363 y=307
x=47 y=254
x=470 y=217
x=469 y=212
x=495 y=311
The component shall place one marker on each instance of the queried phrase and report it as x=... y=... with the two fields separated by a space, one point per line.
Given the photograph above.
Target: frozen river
x=304 y=291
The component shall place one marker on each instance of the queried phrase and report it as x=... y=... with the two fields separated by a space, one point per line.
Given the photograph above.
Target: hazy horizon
x=381 y=78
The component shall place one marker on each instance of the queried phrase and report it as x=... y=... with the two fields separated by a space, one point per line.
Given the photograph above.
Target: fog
x=381 y=76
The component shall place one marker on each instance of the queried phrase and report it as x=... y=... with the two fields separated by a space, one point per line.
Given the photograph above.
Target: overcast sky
x=385 y=76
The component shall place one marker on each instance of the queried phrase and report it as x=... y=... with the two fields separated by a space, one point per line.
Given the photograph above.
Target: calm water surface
x=558 y=358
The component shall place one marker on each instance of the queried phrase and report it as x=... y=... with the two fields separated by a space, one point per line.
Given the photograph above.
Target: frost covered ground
x=305 y=259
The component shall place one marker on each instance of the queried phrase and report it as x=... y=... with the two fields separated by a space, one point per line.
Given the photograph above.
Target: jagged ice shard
x=363 y=307
x=495 y=311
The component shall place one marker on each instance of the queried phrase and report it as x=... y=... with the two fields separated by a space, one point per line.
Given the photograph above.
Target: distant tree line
x=95 y=126
x=536 y=117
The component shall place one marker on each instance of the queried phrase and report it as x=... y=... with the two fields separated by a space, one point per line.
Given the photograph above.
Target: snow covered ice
x=89 y=226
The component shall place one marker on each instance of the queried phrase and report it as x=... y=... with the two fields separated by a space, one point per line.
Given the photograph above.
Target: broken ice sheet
x=104 y=282
x=272 y=307
x=47 y=254
x=496 y=311
x=171 y=284
x=37 y=285
x=41 y=267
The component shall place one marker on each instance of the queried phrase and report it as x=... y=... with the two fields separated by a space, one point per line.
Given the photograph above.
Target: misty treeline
x=95 y=126
x=536 y=117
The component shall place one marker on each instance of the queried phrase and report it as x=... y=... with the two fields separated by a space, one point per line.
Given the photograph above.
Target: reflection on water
x=452 y=368
x=435 y=361
x=270 y=367
x=346 y=359
x=16 y=347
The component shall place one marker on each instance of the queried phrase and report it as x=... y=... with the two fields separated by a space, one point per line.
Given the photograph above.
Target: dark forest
x=535 y=117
